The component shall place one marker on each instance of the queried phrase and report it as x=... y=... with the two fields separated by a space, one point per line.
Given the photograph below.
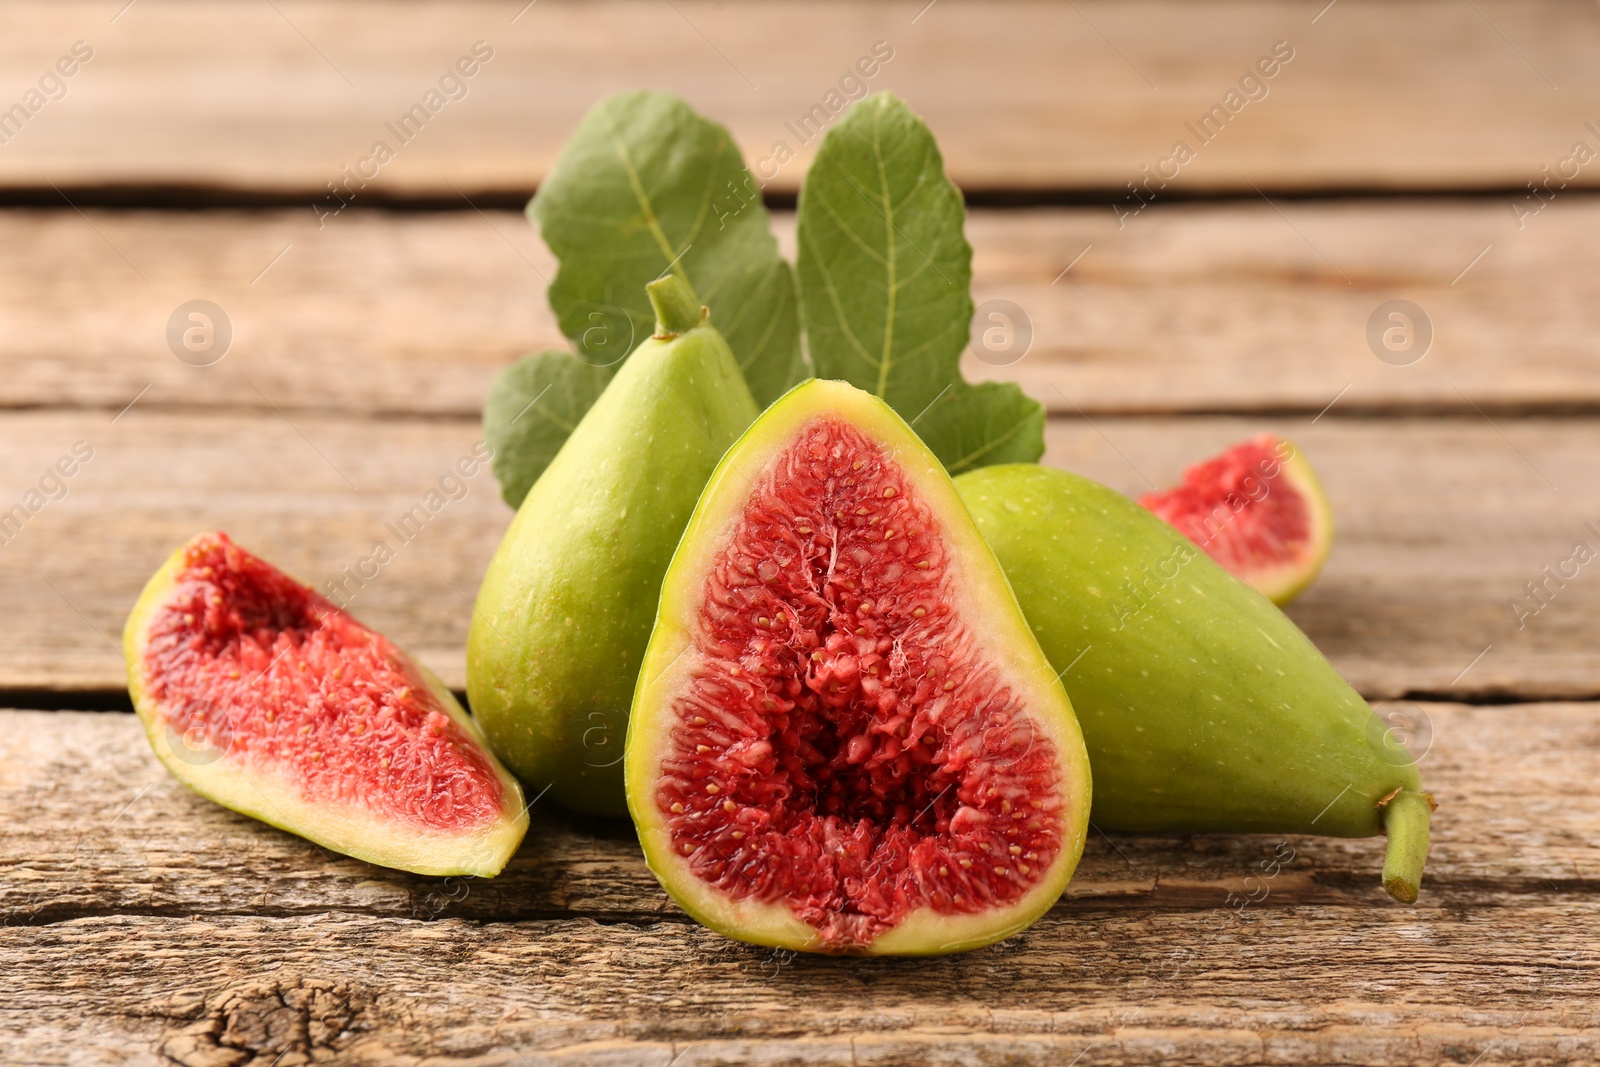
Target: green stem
x=1405 y=820
x=677 y=309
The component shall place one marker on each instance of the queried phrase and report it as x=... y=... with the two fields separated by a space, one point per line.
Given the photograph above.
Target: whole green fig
x=566 y=608
x=1203 y=706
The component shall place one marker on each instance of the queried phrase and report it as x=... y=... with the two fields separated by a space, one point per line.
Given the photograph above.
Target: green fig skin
x=1204 y=708
x=566 y=608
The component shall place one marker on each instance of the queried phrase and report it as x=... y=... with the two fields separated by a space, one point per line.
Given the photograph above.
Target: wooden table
x=143 y=925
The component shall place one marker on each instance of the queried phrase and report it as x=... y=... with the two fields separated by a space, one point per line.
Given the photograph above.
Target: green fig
x=1204 y=708
x=565 y=610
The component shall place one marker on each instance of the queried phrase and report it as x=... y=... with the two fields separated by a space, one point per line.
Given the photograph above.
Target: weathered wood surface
x=276 y=97
x=93 y=825
x=140 y=924
x=1441 y=522
x=145 y=925
x=1194 y=307
x=1312 y=985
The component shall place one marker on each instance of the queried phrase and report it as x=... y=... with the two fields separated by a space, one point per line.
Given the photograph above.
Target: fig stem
x=677 y=309
x=1405 y=820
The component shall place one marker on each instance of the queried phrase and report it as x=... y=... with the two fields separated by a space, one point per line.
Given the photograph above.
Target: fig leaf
x=977 y=425
x=885 y=274
x=645 y=186
x=532 y=407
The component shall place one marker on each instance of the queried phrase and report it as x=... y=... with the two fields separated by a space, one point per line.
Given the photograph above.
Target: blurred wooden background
x=1393 y=155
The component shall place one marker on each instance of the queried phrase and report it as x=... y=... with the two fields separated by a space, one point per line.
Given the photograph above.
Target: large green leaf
x=646 y=185
x=885 y=274
x=977 y=425
x=533 y=405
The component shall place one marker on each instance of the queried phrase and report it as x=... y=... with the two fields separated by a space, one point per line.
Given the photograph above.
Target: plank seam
x=178 y=196
x=116 y=701
x=1354 y=412
x=1514 y=894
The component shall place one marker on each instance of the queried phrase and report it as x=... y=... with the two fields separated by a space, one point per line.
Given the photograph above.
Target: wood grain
x=1441 y=522
x=95 y=826
x=1021 y=95
x=143 y=922
x=140 y=924
x=1223 y=307
x=1399 y=987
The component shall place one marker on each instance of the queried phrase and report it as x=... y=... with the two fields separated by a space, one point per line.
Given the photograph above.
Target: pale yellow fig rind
x=1283 y=584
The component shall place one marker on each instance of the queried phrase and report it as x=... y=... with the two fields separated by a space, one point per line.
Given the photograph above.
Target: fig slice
x=263 y=696
x=845 y=738
x=1258 y=509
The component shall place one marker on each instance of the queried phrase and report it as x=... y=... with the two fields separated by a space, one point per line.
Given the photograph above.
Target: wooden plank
x=1313 y=985
x=144 y=925
x=94 y=826
x=1222 y=307
x=1441 y=522
x=1023 y=96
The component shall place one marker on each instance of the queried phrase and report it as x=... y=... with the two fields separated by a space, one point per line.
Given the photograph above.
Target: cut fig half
x=1259 y=511
x=263 y=696
x=845 y=738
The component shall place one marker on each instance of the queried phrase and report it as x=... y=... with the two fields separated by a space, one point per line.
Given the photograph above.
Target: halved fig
x=1258 y=509
x=845 y=738
x=263 y=696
